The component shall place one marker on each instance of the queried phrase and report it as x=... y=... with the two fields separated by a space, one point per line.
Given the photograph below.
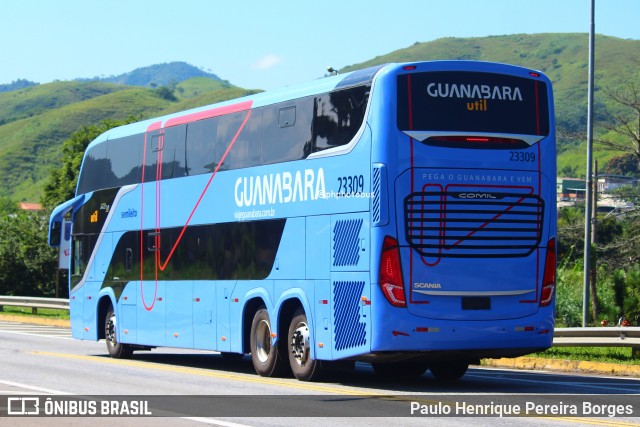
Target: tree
x=626 y=123
x=27 y=263
x=625 y=164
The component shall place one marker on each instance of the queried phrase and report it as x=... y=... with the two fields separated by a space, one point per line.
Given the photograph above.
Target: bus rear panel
x=467 y=265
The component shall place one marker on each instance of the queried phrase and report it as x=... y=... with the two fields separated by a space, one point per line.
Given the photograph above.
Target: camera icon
x=23 y=406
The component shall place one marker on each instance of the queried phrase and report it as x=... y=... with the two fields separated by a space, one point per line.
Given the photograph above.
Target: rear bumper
x=396 y=330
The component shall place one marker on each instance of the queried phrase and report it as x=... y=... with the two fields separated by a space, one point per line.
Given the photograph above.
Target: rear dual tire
x=266 y=357
x=303 y=366
x=291 y=353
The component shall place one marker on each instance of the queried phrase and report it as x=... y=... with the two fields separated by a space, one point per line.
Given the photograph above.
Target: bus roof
x=322 y=85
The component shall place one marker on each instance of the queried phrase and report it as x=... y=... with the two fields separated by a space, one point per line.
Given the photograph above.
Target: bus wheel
x=448 y=371
x=304 y=367
x=116 y=349
x=266 y=358
x=399 y=369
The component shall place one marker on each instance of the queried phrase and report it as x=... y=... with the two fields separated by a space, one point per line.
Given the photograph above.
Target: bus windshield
x=474 y=102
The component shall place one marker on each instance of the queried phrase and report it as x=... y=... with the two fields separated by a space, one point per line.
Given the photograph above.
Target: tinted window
x=125 y=262
x=472 y=102
x=338 y=116
x=94 y=169
x=81 y=249
x=124 y=160
x=286 y=131
x=278 y=133
x=245 y=138
x=153 y=146
x=229 y=251
x=92 y=215
x=201 y=139
x=173 y=152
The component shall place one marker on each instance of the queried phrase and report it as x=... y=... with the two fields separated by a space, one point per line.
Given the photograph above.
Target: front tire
x=266 y=358
x=303 y=366
x=116 y=349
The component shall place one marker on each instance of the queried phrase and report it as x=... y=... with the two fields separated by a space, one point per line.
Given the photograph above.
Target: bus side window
x=124 y=265
x=123 y=155
x=245 y=151
x=80 y=253
x=76 y=266
x=338 y=116
x=173 y=156
x=286 y=131
x=200 y=146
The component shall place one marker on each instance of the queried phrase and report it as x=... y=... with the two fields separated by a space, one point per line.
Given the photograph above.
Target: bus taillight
x=391 y=273
x=549 y=278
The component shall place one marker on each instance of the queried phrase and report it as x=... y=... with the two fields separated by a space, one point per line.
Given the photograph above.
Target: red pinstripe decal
x=152 y=127
x=207 y=114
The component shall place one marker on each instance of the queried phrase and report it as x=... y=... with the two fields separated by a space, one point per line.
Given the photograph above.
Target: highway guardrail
x=34 y=303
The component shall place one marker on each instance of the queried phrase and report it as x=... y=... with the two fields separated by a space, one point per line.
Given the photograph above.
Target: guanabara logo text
x=454 y=90
x=281 y=187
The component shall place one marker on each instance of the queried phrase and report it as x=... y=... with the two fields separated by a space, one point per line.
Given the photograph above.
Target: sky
x=265 y=44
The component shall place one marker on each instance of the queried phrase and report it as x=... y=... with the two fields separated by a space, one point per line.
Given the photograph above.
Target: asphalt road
x=37 y=361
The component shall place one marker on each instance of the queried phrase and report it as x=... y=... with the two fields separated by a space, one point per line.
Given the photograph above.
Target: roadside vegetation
x=621 y=355
x=42 y=314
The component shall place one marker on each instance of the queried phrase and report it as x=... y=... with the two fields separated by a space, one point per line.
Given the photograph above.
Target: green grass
x=43 y=313
x=593 y=354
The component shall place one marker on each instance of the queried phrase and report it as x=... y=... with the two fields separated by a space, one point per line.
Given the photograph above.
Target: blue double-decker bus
x=402 y=215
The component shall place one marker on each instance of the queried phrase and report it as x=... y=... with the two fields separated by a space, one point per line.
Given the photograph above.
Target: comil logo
x=475 y=195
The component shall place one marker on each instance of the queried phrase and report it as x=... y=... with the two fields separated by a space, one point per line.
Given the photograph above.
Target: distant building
x=608 y=183
x=33 y=207
x=571 y=188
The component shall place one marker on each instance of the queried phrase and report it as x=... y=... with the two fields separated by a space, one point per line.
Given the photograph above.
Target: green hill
x=35 y=121
x=34 y=100
x=167 y=74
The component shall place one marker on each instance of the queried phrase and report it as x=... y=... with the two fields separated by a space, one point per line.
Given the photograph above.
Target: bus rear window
x=472 y=102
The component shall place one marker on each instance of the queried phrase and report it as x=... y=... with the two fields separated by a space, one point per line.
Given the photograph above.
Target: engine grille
x=473 y=224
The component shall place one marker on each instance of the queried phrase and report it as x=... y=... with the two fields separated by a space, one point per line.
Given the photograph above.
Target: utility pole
x=594 y=225
x=589 y=183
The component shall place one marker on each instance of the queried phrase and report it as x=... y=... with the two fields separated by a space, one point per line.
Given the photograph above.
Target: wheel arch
x=285 y=314
x=250 y=308
x=104 y=303
x=287 y=309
